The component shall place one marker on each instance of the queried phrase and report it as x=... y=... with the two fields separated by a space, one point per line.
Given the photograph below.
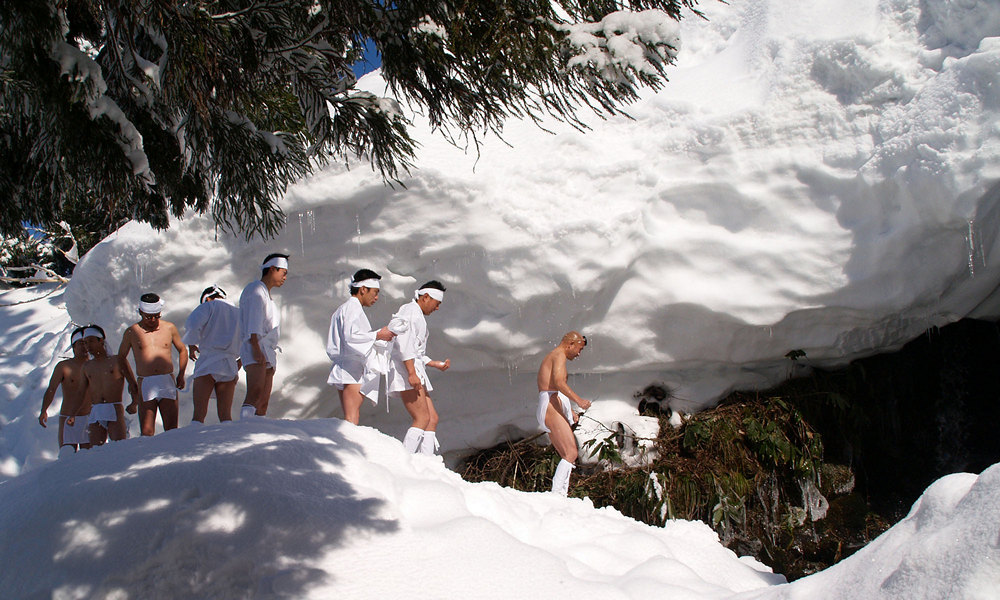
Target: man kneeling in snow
x=554 y=411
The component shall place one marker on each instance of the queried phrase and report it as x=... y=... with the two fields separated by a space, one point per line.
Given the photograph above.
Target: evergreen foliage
x=141 y=109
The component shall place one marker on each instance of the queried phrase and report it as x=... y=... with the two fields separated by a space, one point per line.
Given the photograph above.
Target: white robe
x=351 y=345
x=214 y=327
x=411 y=344
x=259 y=314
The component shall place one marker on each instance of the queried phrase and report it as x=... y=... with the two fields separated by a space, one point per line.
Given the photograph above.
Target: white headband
x=278 y=261
x=432 y=292
x=214 y=291
x=93 y=332
x=368 y=283
x=151 y=308
x=76 y=337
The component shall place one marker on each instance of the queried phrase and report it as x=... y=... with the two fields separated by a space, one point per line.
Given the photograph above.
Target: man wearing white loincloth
x=408 y=367
x=260 y=327
x=350 y=344
x=149 y=341
x=211 y=333
x=69 y=374
x=555 y=414
x=104 y=380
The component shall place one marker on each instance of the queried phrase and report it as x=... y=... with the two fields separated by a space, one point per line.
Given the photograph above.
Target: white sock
x=560 y=481
x=428 y=443
x=412 y=440
x=247 y=410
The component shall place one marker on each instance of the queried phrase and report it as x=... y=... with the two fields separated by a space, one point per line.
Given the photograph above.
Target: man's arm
x=133 y=389
x=182 y=358
x=50 y=393
x=559 y=376
x=123 y=349
x=85 y=394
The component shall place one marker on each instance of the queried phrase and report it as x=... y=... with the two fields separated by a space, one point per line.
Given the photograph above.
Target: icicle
x=971 y=241
x=357 y=220
x=302 y=238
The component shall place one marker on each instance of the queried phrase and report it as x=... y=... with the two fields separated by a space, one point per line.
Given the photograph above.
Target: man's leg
x=428 y=443
x=224 y=392
x=98 y=434
x=268 y=383
x=351 y=400
x=168 y=412
x=565 y=444
x=256 y=374
x=201 y=391
x=117 y=429
x=413 y=401
x=147 y=417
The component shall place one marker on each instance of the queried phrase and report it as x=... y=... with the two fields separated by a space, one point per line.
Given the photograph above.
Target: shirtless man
x=260 y=327
x=350 y=344
x=149 y=341
x=554 y=411
x=408 y=367
x=69 y=374
x=104 y=379
x=212 y=329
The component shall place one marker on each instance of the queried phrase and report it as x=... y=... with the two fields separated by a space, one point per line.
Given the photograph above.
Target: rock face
x=813 y=178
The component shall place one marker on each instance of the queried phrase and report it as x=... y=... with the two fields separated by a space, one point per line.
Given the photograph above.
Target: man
x=350 y=344
x=69 y=374
x=149 y=341
x=260 y=327
x=212 y=330
x=104 y=380
x=555 y=414
x=407 y=367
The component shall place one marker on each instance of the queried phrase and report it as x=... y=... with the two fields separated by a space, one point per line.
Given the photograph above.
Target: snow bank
x=945 y=548
x=818 y=177
x=321 y=508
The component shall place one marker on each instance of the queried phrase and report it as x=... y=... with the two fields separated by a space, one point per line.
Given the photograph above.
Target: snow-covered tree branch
x=139 y=110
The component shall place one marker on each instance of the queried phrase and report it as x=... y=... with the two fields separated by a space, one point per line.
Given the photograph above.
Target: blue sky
x=371 y=61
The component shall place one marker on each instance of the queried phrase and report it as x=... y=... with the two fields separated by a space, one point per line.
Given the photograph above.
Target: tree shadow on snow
x=222 y=516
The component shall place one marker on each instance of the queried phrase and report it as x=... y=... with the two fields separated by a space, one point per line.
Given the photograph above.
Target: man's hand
x=69 y=421
x=180 y=381
x=132 y=408
x=384 y=334
x=415 y=382
x=193 y=351
x=42 y=418
x=443 y=366
x=258 y=355
x=584 y=404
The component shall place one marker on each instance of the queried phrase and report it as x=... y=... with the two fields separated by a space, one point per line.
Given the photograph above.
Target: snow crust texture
x=816 y=176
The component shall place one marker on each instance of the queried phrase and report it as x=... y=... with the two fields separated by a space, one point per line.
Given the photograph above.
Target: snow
x=816 y=176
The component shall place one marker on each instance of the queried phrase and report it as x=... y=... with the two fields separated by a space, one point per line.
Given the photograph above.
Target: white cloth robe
x=411 y=344
x=259 y=314
x=214 y=327
x=351 y=345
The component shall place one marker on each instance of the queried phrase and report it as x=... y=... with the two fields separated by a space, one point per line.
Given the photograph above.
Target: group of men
x=222 y=338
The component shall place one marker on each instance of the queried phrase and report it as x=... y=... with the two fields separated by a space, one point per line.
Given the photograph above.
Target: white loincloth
x=220 y=365
x=543 y=406
x=399 y=379
x=158 y=387
x=77 y=432
x=103 y=413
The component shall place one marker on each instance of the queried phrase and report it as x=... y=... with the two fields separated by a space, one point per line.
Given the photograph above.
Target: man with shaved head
x=555 y=414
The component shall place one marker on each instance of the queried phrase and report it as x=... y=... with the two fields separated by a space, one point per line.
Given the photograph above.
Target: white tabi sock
x=560 y=481
x=428 y=444
x=412 y=439
x=247 y=410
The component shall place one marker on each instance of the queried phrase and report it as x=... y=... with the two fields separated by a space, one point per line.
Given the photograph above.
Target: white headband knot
x=432 y=292
x=151 y=308
x=93 y=332
x=368 y=283
x=278 y=261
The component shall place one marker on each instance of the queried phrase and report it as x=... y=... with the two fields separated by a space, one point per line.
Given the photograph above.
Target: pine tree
x=138 y=109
